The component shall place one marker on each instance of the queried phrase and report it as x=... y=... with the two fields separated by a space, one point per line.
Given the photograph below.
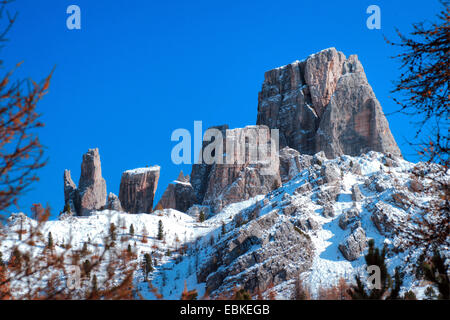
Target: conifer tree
x=188 y=295
x=223 y=228
x=94 y=285
x=50 y=241
x=201 y=217
x=147 y=265
x=437 y=272
x=84 y=250
x=430 y=293
x=132 y=229
x=87 y=267
x=112 y=232
x=398 y=281
x=160 y=230
x=242 y=294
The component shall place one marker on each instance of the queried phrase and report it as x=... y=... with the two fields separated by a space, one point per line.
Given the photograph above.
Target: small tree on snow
x=50 y=241
x=132 y=229
x=160 y=230
x=147 y=265
x=201 y=217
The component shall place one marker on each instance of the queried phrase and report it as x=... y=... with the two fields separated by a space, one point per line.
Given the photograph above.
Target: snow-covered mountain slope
x=315 y=227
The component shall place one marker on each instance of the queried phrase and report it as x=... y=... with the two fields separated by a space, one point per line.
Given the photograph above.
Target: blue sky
x=137 y=70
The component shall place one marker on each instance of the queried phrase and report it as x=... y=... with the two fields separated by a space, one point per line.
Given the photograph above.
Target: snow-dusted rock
x=354 y=245
x=415 y=185
x=292 y=162
x=263 y=252
x=307 y=224
x=356 y=193
x=330 y=172
x=179 y=195
x=348 y=217
x=327 y=195
x=328 y=211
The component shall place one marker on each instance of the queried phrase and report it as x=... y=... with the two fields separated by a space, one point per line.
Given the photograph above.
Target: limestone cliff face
x=138 y=188
x=325 y=103
x=200 y=171
x=220 y=184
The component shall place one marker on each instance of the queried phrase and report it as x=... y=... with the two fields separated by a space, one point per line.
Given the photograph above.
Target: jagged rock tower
x=91 y=192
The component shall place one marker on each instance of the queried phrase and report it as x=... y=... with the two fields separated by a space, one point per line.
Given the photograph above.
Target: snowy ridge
x=295 y=201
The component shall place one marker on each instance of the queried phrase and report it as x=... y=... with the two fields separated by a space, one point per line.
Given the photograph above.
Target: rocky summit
x=325 y=103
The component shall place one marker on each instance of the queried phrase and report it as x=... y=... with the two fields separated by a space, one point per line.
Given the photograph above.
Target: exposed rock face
x=200 y=171
x=218 y=185
x=113 y=203
x=382 y=218
x=356 y=193
x=179 y=195
x=183 y=178
x=354 y=245
x=137 y=189
x=325 y=103
x=308 y=224
x=71 y=196
x=285 y=103
x=292 y=163
x=416 y=186
x=322 y=73
x=91 y=192
x=330 y=172
x=92 y=186
x=265 y=251
x=327 y=195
